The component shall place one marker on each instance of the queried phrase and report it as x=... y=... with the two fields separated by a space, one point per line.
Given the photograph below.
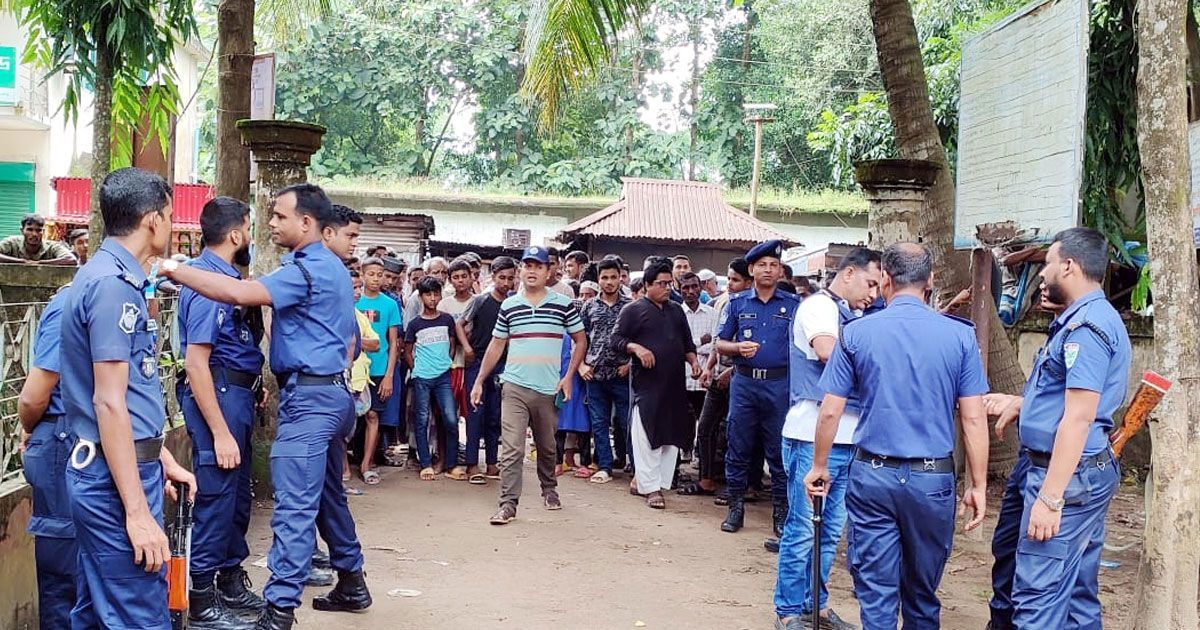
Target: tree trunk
x=695 y=33
x=102 y=130
x=917 y=137
x=635 y=89
x=1170 y=564
x=235 y=58
x=1193 y=65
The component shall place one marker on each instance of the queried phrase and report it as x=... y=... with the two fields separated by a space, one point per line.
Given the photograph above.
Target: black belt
x=245 y=380
x=303 y=379
x=762 y=374
x=915 y=464
x=147 y=450
x=1099 y=460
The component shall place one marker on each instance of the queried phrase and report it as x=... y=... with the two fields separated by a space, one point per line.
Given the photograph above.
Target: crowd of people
x=762 y=387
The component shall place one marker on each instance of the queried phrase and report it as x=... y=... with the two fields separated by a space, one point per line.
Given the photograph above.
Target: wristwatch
x=169 y=265
x=1055 y=505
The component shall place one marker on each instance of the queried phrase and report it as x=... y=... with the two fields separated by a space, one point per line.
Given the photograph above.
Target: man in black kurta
x=655 y=331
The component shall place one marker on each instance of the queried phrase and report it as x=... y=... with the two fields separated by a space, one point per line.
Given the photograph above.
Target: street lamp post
x=757 y=113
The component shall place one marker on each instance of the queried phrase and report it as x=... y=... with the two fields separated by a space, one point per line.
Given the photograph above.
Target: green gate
x=16 y=195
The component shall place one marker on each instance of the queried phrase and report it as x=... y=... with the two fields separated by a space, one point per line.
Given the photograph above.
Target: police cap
x=772 y=248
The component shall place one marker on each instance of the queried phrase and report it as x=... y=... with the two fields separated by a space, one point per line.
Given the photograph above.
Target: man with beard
x=1050 y=532
x=605 y=371
x=30 y=247
x=655 y=331
x=223 y=364
x=313 y=306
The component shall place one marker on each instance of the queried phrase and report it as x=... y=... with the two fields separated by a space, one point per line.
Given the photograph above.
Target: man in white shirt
x=701 y=320
x=815 y=332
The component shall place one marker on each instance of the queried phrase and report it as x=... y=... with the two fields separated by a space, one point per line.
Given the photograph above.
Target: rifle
x=1154 y=386
x=180 y=537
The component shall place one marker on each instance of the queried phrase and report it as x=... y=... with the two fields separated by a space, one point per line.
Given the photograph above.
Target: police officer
x=223 y=365
x=313 y=323
x=49 y=439
x=112 y=395
x=909 y=366
x=1079 y=380
x=754 y=329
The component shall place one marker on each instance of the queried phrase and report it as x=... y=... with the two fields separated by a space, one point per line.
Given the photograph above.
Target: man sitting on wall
x=31 y=248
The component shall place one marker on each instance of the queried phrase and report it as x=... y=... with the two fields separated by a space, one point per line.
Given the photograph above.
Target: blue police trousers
x=116 y=594
x=222 y=509
x=306 y=470
x=901 y=529
x=1004 y=545
x=756 y=412
x=55 y=551
x=1056 y=583
x=793 y=592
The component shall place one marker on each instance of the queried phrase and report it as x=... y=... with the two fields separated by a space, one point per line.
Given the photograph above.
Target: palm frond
x=566 y=42
x=289 y=19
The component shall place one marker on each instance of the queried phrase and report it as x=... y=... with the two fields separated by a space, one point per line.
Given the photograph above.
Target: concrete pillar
x=895 y=190
x=282 y=150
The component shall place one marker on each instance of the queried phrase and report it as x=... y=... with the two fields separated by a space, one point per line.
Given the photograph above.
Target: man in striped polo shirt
x=531 y=325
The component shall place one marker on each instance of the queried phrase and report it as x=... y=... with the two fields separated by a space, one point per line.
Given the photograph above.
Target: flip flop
x=655 y=500
x=351 y=491
x=478 y=479
x=694 y=489
x=371 y=478
x=457 y=473
x=427 y=474
x=582 y=473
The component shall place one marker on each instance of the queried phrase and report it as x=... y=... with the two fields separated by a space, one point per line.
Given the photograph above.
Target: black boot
x=276 y=618
x=779 y=516
x=737 y=515
x=350 y=594
x=205 y=611
x=233 y=586
x=320 y=559
x=319 y=577
x=771 y=545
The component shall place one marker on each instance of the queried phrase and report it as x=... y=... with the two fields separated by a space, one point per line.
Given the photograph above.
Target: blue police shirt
x=909 y=366
x=748 y=318
x=46 y=348
x=1088 y=348
x=313 y=312
x=222 y=326
x=105 y=319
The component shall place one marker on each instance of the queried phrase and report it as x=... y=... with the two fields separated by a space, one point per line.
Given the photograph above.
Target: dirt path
x=607 y=562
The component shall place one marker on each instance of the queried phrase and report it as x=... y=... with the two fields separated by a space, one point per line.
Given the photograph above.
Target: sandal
x=694 y=489
x=633 y=489
x=458 y=473
x=427 y=474
x=351 y=491
x=477 y=479
x=601 y=477
x=371 y=478
x=582 y=473
x=655 y=500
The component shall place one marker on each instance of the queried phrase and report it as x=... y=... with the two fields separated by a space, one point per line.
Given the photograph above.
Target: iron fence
x=18 y=330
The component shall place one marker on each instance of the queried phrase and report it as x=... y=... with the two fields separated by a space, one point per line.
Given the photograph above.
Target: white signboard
x=1021 y=122
x=262 y=96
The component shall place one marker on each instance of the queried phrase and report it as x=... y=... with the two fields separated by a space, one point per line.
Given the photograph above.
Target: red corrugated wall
x=75 y=202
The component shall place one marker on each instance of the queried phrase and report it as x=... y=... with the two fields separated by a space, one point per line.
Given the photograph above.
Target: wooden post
x=981 y=289
x=757 y=171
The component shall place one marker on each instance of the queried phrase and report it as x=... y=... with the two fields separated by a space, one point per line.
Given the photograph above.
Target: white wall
x=819 y=237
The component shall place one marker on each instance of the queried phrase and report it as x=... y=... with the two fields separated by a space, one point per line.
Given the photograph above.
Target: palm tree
x=566 y=42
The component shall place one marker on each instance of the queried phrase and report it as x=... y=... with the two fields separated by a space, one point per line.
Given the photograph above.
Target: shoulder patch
x=129 y=315
x=1070 y=354
x=960 y=320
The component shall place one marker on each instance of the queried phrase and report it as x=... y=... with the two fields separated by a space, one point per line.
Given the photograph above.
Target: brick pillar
x=896 y=191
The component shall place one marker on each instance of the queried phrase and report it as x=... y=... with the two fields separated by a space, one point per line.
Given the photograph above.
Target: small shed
x=405 y=233
x=669 y=217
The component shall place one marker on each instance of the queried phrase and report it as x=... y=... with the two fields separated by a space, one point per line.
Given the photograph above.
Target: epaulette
x=960 y=320
x=1076 y=325
x=132 y=281
x=739 y=295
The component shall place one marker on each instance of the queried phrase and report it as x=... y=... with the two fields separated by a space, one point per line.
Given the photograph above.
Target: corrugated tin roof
x=672 y=210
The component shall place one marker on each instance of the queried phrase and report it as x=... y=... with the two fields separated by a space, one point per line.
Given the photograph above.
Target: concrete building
x=38 y=143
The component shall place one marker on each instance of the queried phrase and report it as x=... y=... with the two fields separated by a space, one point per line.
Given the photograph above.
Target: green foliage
x=863 y=131
x=137 y=38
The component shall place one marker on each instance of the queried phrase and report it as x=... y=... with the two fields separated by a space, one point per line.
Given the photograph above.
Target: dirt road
x=608 y=562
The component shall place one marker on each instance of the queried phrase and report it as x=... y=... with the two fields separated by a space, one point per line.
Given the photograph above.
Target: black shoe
x=233 y=588
x=320 y=559
x=319 y=577
x=350 y=594
x=771 y=544
x=737 y=515
x=276 y=618
x=619 y=463
x=205 y=612
x=779 y=516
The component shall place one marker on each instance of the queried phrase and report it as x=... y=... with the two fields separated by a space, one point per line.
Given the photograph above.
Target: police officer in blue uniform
x=312 y=329
x=118 y=468
x=223 y=363
x=1079 y=380
x=754 y=330
x=49 y=439
x=909 y=366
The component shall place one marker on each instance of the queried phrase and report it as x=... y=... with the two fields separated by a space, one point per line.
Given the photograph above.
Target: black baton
x=818 y=505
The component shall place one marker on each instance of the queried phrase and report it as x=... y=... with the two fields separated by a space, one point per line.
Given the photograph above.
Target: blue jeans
x=437 y=388
x=608 y=406
x=483 y=421
x=793 y=593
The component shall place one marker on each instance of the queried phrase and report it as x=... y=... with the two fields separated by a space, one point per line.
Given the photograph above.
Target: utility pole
x=757 y=113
